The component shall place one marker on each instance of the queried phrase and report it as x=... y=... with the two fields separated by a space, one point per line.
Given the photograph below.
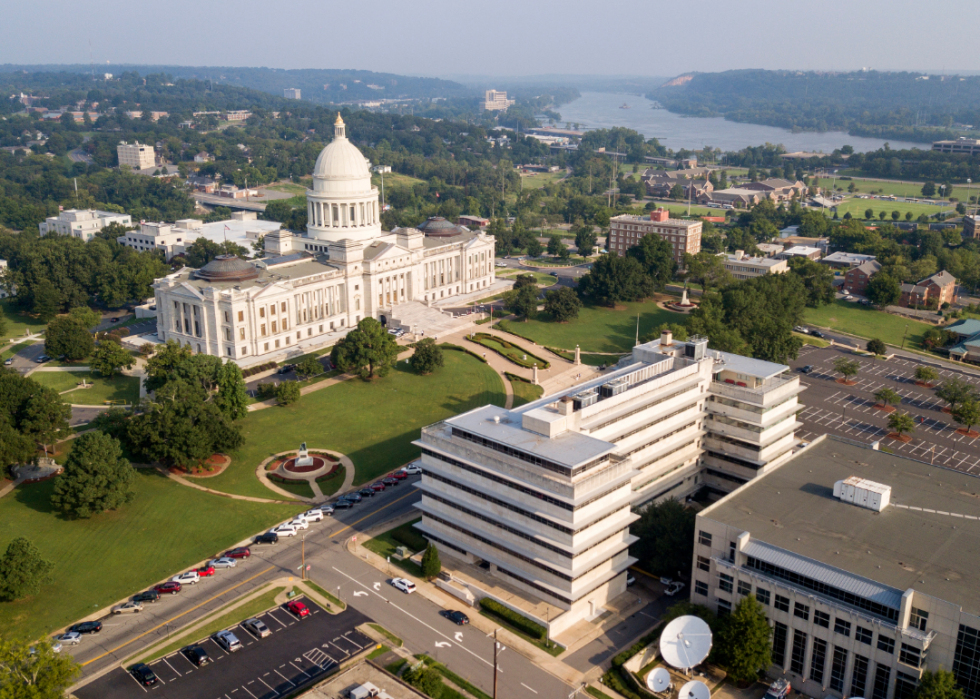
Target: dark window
x=862 y=635
x=802 y=611
x=744 y=588
x=882 y=675
x=731 y=549
x=704 y=564
x=837 y=669
x=724 y=607
x=701 y=588
x=842 y=627
x=886 y=644
x=910 y=655
x=798 y=659
x=821 y=618
x=779 y=644
x=818 y=660
x=905 y=686
x=704 y=538
x=762 y=595
x=726 y=582
x=782 y=603
x=966 y=661
x=859 y=676
x=918 y=619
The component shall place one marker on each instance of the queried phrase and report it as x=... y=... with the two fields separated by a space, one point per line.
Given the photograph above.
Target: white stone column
x=535 y=379
x=578 y=355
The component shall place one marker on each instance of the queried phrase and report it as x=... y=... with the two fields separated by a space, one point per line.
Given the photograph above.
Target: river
x=602 y=110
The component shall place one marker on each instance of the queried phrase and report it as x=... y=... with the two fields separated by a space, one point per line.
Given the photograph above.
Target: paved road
x=23 y=361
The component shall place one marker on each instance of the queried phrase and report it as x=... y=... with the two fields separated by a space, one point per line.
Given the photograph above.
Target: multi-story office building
x=82 y=223
x=496 y=100
x=965 y=146
x=136 y=155
x=543 y=493
x=292 y=93
x=627 y=230
x=742 y=266
x=174 y=238
x=866 y=563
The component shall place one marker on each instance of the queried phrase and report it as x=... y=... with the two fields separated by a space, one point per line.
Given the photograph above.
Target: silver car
x=128 y=608
x=228 y=641
x=257 y=628
x=72 y=638
x=223 y=563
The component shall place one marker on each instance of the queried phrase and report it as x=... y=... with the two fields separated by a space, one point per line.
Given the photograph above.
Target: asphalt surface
x=298 y=653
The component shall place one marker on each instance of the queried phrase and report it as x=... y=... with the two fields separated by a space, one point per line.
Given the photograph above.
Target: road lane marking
x=373 y=512
x=530 y=688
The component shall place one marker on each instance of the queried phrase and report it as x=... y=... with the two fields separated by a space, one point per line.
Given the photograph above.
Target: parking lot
x=298 y=652
x=849 y=411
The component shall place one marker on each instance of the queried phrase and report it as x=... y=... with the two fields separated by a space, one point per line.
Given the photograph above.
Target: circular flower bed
x=291 y=467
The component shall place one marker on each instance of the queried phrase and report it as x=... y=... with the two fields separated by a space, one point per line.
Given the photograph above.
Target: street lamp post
x=904 y=335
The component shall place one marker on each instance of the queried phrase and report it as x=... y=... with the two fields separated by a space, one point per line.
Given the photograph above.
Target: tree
x=818 y=280
x=232 y=398
x=428 y=356
x=940 y=684
x=534 y=247
x=585 y=240
x=66 y=336
x=45 y=417
x=900 y=423
x=883 y=290
x=22 y=570
x=707 y=270
x=15 y=448
x=96 y=477
x=368 y=350
x=85 y=316
x=30 y=669
x=876 y=346
x=613 y=279
x=200 y=252
x=677 y=192
x=309 y=366
x=925 y=374
x=554 y=245
x=431 y=565
x=896 y=215
x=869 y=214
x=523 y=280
x=967 y=414
x=109 y=357
x=3 y=323
x=287 y=393
x=743 y=641
x=847 y=367
x=562 y=304
x=929 y=189
x=47 y=299
x=886 y=397
x=666 y=538
x=522 y=300
x=426 y=679
x=656 y=256
x=955 y=391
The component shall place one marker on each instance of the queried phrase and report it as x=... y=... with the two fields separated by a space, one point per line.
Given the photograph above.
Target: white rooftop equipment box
x=863 y=493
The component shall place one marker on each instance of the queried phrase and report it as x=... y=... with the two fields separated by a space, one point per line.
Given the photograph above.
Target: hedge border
x=480 y=337
x=519 y=621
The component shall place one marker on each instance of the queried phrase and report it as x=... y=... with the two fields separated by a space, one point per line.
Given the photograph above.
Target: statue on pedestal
x=304 y=458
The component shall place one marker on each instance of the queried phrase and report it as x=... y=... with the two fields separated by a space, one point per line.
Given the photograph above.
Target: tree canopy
x=368 y=350
x=66 y=336
x=656 y=256
x=615 y=279
x=96 y=477
x=427 y=357
x=743 y=641
x=30 y=669
x=22 y=570
x=666 y=538
x=562 y=304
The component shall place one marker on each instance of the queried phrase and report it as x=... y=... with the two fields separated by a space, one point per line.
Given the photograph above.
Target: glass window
x=862 y=635
x=837 y=668
x=859 y=676
x=818 y=660
x=966 y=661
x=762 y=595
x=905 y=686
x=802 y=611
x=744 y=588
x=918 y=619
x=704 y=563
x=842 y=627
x=701 y=588
x=782 y=603
x=910 y=655
x=725 y=582
x=882 y=675
x=241 y=316
x=821 y=618
x=724 y=607
x=886 y=644
x=704 y=538
x=798 y=657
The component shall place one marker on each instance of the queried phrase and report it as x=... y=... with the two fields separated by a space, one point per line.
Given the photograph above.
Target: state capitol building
x=310 y=289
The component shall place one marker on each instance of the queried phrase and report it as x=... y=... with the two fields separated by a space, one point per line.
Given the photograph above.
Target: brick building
x=627 y=230
x=856 y=280
x=932 y=291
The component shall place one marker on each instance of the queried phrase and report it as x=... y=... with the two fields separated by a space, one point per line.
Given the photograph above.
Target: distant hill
x=910 y=106
x=317 y=85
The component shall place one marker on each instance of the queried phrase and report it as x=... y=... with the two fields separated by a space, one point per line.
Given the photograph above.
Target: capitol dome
x=227 y=268
x=341 y=160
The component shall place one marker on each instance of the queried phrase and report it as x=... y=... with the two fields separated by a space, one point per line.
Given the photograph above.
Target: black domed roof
x=227 y=268
x=438 y=227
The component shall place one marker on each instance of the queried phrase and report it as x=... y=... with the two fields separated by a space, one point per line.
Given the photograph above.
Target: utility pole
x=302 y=574
x=904 y=335
x=495 y=646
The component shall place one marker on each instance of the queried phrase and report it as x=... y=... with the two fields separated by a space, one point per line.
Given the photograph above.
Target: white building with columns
x=311 y=288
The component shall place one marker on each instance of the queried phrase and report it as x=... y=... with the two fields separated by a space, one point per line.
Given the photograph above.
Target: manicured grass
x=332 y=485
x=300 y=488
x=395 y=641
x=167 y=528
x=596 y=693
x=116 y=388
x=378 y=652
x=454 y=678
x=289 y=187
x=508 y=351
x=334 y=600
x=394 y=180
x=385 y=546
x=898 y=189
x=542 y=179
x=372 y=422
x=251 y=608
x=17 y=322
x=679 y=209
x=597 y=328
x=810 y=340
x=525 y=391
x=395 y=667
x=550 y=647
x=573 y=261
x=541 y=278
x=857 y=207
x=866 y=322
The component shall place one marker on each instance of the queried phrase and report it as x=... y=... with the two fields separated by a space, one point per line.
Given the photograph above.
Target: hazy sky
x=499 y=37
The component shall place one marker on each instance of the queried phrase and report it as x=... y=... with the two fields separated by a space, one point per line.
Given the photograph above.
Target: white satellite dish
x=685 y=643
x=695 y=689
x=658 y=680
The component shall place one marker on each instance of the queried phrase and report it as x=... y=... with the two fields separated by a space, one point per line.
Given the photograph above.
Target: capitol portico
x=310 y=288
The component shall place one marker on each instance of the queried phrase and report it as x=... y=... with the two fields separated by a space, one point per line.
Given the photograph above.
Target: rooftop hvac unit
x=696 y=348
x=863 y=493
x=614 y=388
x=585 y=398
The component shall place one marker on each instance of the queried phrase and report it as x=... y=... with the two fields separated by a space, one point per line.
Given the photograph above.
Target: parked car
x=630 y=580
x=366 y=492
x=378 y=487
x=313 y=516
x=674 y=588
x=285 y=369
x=806 y=369
x=228 y=641
x=817 y=333
x=143 y=674
x=115 y=320
x=778 y=689
x=400 y=474
x=191 y=577
x=343 y=504
x=353 y=497
x=42 y=359
x=128 y=608
x=664 y=580
x=267 y=538
x=298 y=608
x=148 y=596
x=257 y=628
x=87 y=627
x=800 y=329
x=457 y=617
x=327 y=510
x=8 y=362
x=240 y=552
x=406 y=586
x=206 y=571
x=389 y=481
x=285 y=530
x=299 y=523
x=413 y=469
x=223 y=562
x=168 y=588
x=71 y=638
x=196 y=655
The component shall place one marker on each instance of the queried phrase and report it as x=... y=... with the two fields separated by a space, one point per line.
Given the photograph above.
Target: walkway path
x=249 y=498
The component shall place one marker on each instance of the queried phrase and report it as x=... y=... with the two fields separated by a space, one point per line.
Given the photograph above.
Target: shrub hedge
x=519 y=621
x=638 y=646
x=276 y=478
x=409 y=538
x=253 y=370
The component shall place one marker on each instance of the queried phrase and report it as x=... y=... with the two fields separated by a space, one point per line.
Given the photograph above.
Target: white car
x=285 y=530
x=223 y=563
x=499 y=264
x=406 y=586
x=413 y=469
x=674 y=588
x=72 y=638
x=299 y=523
x=189 y=578
x=128 y=608
x=312 y=516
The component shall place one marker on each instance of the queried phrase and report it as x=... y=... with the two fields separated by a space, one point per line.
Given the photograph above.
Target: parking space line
x=275 y=692
x=277 y=619
x=289 y=682
x=172 y=667
x=302 y=672
x=249 y=693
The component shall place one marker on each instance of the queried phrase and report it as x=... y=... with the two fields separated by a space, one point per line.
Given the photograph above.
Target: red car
x=206 y=571
x=400 y=475
x=378 y=487
x=298 y=608
x=168 y=588
x=242 y=552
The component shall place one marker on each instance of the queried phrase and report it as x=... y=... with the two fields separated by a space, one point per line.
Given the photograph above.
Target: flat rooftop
x=927 y=539
x=759 y=368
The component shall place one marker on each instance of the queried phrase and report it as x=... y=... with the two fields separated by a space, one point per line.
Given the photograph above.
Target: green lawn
x=542 y=179
x=573 y=261
x=167 y=527
x=300 y=488
x=17 y=322
x=124 y=388
x=394 y=180
x=373 y=422
x=332 y=598
x=898 y=189
x=332 y=485
x=590 y=359
x=678 y=209
x=385 y=545
x=540 y=277
x=505 y=349
x=597 y=328
x=857 y=207
x=289 y=188
x=864 y=321
x=525 y=392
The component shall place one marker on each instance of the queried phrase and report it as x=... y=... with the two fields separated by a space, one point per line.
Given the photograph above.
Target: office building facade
x=136 y=155
x=627 y=230
x=82 y=223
